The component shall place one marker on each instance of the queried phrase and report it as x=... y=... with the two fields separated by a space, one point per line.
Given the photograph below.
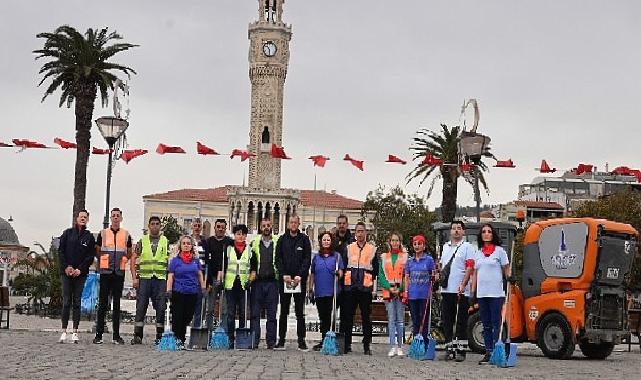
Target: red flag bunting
x=545 y=168
x=279 y=152
x=162 y=149
x=129 y=155
x=430 y=160
x=319 y=160
x=204 y=149
x=465 y=167
x=356 y=163
x=583 y=168
x=504 y=164
x=24 y=144
x=393 y=159
x=95 y=150
x=64 y=144
x=243 y=154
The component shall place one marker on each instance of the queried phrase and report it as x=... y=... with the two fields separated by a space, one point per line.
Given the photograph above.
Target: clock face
x=269 y=49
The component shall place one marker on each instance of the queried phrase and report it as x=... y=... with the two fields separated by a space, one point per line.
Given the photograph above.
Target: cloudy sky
x=555 y=80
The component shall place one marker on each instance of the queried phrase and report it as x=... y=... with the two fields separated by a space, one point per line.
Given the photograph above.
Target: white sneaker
x=63 y=337
x=391 y=352
x=74 y=338
x=399 y=352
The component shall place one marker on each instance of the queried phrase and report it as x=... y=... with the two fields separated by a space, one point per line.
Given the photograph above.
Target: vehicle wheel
x=596 y=350
x=475 y=333
x=554 y=337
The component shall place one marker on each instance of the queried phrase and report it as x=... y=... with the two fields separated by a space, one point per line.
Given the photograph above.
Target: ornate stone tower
x=268 y=60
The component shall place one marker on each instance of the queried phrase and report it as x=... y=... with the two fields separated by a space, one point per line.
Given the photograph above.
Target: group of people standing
x=270 y=270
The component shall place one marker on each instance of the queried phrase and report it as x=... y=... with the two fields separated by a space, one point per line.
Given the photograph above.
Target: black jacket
x=293 y=255
x=342 y=243
x=214 y=260
x=77 y=249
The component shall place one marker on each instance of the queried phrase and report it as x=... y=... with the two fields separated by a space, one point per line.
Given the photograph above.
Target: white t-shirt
x=489 y=279
x=457 y=272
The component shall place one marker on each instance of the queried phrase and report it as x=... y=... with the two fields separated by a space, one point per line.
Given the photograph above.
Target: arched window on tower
x=276 y=219
x=250 y=216
x=264 y=140
x=270 y=10
x=259 y=215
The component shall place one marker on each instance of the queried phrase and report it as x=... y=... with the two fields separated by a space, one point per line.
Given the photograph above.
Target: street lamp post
x=472 y=146
x=111 y=128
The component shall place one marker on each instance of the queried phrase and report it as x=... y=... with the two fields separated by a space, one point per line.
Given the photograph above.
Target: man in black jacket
x=293 y=258
x=75 y=255
x=216 y=248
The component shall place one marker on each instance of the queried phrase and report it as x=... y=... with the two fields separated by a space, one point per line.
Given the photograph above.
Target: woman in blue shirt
x=184 y=282
x=323 y=280
x=418 y=282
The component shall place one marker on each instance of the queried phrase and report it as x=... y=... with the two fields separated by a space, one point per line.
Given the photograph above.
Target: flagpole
x=314 y=215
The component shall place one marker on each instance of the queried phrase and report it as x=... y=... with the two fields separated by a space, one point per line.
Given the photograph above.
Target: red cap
x=419 y=238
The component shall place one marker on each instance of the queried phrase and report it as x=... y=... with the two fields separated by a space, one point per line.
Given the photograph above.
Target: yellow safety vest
x=153 y=265
x=237 y=268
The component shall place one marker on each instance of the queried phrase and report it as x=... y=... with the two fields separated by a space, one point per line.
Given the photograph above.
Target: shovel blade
x=199 y=338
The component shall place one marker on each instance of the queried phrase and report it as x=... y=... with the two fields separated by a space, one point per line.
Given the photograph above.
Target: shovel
x=244 y=335
x=199 y=336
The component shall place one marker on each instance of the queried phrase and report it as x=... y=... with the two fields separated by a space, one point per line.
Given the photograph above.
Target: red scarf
x=186 y=256
x=396 y=251
x=488 y=249
x=240 y=246
x=326 y=251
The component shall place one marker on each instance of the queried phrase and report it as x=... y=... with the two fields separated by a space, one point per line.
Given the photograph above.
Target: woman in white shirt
x=490 y=267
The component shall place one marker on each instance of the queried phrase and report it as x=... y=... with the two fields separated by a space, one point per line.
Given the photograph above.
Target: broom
x=219 y=339
x=168 y=340
x=330 y=347
x=417 y=347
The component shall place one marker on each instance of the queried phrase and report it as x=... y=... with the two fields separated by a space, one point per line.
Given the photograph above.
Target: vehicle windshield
x=616 y=253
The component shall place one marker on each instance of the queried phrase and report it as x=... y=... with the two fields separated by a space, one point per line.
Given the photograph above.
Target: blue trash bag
x=89 y=294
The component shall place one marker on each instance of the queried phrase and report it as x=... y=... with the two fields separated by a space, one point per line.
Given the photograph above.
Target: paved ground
x=29 y=350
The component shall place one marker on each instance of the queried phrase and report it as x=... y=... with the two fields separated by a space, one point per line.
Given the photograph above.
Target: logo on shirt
x=564 y=259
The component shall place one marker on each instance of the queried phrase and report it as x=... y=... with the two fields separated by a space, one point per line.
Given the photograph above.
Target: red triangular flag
x=95 y=150
x=5 y=145
x=583 y=168
x=392 y=158
x=24 y=143
x=162 y=149
x=545 y=168
x=319 y=160
x=129 y=155
x=243 y=154
x=430 y=160
x=204 y=149
x=279 y=152
x=357 y=163
x=504 y=164
x=64 y=144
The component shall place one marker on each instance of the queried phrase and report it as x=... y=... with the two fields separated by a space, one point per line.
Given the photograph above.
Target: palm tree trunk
x=84 y=99
x=450 y=191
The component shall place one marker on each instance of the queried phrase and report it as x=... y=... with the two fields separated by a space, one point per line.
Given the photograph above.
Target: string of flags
x=278 y=152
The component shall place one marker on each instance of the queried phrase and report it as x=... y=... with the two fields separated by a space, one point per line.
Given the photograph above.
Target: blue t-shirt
x=323 y=270
x=185 y=275
x=420 y=276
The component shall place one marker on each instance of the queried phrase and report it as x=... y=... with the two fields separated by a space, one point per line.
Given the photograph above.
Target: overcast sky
x=555 y=79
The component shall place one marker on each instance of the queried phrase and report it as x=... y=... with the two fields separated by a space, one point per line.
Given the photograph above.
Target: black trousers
x=299 y=309
x=182 y=312
x=363 y=300
x=448 y=315
x=324 y=306
x=71 y=297
x=236 y=298
x=110 y=284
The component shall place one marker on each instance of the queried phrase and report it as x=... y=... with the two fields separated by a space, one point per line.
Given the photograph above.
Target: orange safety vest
x=113 y=250
x=360 y=260
x=393 y=273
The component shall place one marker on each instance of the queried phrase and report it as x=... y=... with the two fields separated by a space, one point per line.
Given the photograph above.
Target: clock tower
x=269 y=40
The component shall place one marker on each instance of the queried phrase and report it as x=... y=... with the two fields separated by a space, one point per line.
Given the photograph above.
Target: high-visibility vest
x=360 y=260
x=237 y=267
x=113 y=252
x=153 y=265
x=393 y=273
x=256 y=251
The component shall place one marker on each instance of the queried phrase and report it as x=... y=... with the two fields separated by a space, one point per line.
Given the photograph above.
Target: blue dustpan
x=430 y=348
x=511 y=349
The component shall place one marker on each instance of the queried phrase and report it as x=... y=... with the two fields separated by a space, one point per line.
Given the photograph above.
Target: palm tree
x=79 y=67
x=444 y=146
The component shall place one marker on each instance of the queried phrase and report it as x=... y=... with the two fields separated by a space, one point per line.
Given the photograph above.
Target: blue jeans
x=395 y=319
x=264 y=296
x=418 y=311
x=490 y=309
